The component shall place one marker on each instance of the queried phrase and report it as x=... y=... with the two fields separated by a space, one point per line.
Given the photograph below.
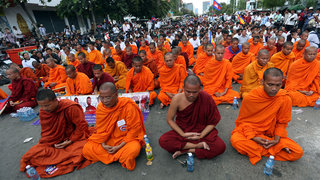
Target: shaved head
x=263 y=52
x=273 y=72
x=108 y=86
x=192 y=79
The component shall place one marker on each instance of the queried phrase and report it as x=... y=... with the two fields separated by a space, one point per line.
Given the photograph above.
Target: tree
x=242 y=5
x=225 y=8
x=273 y=3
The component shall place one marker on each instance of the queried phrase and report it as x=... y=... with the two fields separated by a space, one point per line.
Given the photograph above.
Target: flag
x=211 y=38
x=241 y=20
x=216 y=5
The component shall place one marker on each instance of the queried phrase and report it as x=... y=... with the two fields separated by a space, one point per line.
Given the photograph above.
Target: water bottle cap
x=145 y=136
x=271 y=157
x=189 y=154
x=28 y=166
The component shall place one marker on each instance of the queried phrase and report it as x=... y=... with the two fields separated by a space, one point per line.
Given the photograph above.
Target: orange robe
x=200 y=65
x=266 y=117
x=146 y=48
x=80 y=85
x=134 y=49
x=218 y=77
x=84 y=51
x=303 y=76
x=298 y=54
x=158 y=57
x=251 y=40
x=318 y=57
x=75 y=63
x=43 y=72
x=28 y=73
x=141 y=82
x=282 y=61
x=120 y=70
x=151 y=64
x=180 y=60
x=121 y=123
x=166 y=45
x=3 y=95
x=57 y=75
x=307 y=44
x=252 y=76
x=271 y=51
x=254 y=49
x=189 y=50
x=171 y=80
x=200 y=51
x=95 y=56
x=239 y=63
x=67 y=122
x=163 y=50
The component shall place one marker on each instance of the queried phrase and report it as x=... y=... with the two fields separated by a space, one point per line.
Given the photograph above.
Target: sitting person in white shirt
x=27 y=61
x=195 y=42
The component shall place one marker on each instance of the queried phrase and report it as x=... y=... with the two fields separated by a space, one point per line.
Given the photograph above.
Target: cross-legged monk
x=164 y=42
x=253 y=73
x=270 y=47
x=303 y=82
x=283 y=59
x=155 y=55
x=232 y=50
x=100 y=77
x=64 y=132
x=144 y=46
x=171 y=78
x=82 y=50
x=108 y=53
x=120 y=130
x=255 y=46
x=263 y=118
x=303 y=36
x=161 y=48
x=95 y=55
x=42 y=71
x=23 y=91
x=57 y=75
x=151 y=64
x=118 y=71
x=194 y=128
x=187 y=48
x=241 y=61
x=120 y=53
x=178 y=58
x=298 y=50
x=140 y=79
x=133 y=47
x=85 y=66
x=202 y=61
x=27 y=72
x=73 y=61
x=77 y=82
x=127 y=59
x=218 y=78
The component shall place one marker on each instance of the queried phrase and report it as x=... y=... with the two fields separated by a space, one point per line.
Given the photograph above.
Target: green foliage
x=7 y=3
x=273 y=3
x=242 y=5
x=225 y=8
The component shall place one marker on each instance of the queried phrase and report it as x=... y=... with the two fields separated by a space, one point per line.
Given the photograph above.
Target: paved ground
x=304 y=129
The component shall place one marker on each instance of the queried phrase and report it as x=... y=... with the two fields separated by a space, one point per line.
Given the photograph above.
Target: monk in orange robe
x=263 y=118
x=218 y=78
x=133 y=47
x=64 y=132
x=140 y=79
x=253 y=73
x=171 y=77
x=95 y=56
x=41 y=71
x=151 y=64
x=187 y=48
x=3 y=95
x=298 y=50
x=283 y=59
x=120 y=53
x=254 y=34
x=303 y=82
x=178 y=58
x=27 y=72
x=164 y=43
x=107 y=45
x=304 y=36
x=108 y=53
x=67 y=52
x=80 y=49
x=144 y=46
x=77 y=83
x=57 y=75
x=73 y=60
x=241 y=61
x=161 y=48
x=227 y=42
x=120 y=130
x=255 y=45
x=270 y=47
x=155 y=55
x=202 y=61
x=118 y=71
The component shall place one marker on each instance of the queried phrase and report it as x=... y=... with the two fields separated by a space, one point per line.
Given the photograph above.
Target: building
x=196 y=11
x=205 y=6
x=189 y=6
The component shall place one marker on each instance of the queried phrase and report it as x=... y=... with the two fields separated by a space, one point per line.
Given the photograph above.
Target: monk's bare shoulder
x=181 y=101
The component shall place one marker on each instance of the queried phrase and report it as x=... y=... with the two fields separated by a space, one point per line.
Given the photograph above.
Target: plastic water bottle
x=149 y=152
x=317 y=105
x=235 y=103
x=190 y=163
x=146 y=140
x=269 y=166
x=32 y=173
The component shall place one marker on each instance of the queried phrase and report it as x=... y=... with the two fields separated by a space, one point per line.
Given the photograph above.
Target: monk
x=133 y=47
x=81 y=50
x=3 y=95
x=67 y=51
x=127 y=59
x=140 y=79
x=119 y=52
x=241 y=61
x=253 y=73
x=107 y=45
x=202 y=61
x=194 y=128
x=261 y=125
x=187 y=48
x=118 y=71
x=151 y=64
x=304 y=36
x=42 y=71
x=164 y=42
x=100 y=77
x=144 y=47
x=161 y=48
x=73 y=61
x=57 y=76
x=23 y=91
x=77 y=83
x=120 y=130
x=108 y=53
x=254 y=34
x=255 y=45
x=95 y=56
x=155 y=55
x=298 y=50
x=27 y=72
x=218 y=78
x=270 y=47
x=283 y=59
x=227 y=42
x=201 y=49
x=64 y=132
x=85 y=66
x=232 y=50
x=171 y=77
x=303 y=82
x=178 y=59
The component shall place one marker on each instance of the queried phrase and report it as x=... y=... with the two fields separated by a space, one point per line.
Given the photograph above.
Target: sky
x=198 y=3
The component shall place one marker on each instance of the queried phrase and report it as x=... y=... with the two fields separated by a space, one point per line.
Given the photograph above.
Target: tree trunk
x=23 y=5
x=93 y=20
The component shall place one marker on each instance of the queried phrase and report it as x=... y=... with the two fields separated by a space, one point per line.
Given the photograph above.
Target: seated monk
x=161 y=48
x=77 y=82
x=164 y=42
x=108 y=53
x=64 y=132
x=241 y=61
x=118 y=71
x=227 y=42
x=144 y=46
x=100 y=77
x=151 y=64
x=67 y=52
x=298 y=50
x=186 y=47
x=3 y=95
x=178 y=59
x=283 y=59
x=280 y=43
x=253 y=73
x=127 y=58
x=140 y=79
x=42 y=71
x=57 y=76
x=23 y=91
x=171 y=77
x=303 y=36
x=107 y=45
x=194 y=128
x=303 y=82
x=81 y=50
x=73 y=61
x=218 y=78
x=202 y=61
x=95 y=55
x=270 y=47
x=184 y=54
x=232 y=50
x=85 y=66
x=201 y=47
x=155 y=55
x=119 y=52
x=27 y=72
x=261 y=125
x=255 y=45
x=133 y=47
x=120 y=130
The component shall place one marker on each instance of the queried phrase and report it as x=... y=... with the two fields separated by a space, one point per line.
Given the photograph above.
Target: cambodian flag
x=216 y=5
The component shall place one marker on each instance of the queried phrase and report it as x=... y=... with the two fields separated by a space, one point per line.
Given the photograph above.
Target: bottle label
x=51 y=169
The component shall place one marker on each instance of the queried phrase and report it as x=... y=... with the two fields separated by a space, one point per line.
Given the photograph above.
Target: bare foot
x=205 y=146
x=161 y=105
x=287 y=150
x=176 y=154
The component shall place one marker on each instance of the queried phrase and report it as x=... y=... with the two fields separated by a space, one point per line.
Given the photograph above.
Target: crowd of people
x=194 y=63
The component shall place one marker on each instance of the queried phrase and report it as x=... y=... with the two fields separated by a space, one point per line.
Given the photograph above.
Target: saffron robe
x=120 y=70
x=80 y=85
